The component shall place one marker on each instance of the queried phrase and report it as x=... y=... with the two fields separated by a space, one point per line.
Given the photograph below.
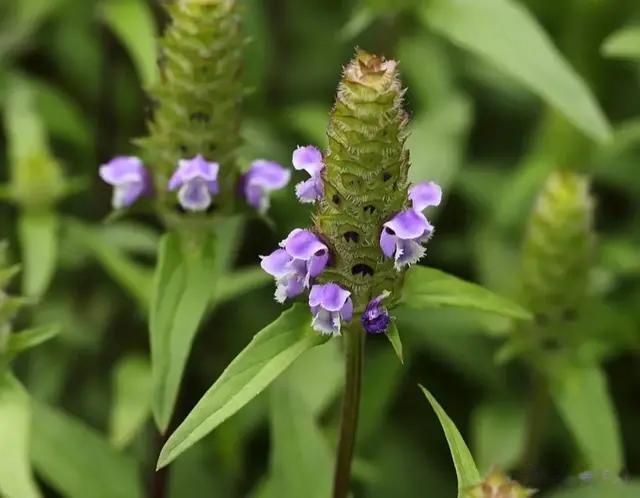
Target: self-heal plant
x=367 y=215
x=352 y=267
x=190 y=157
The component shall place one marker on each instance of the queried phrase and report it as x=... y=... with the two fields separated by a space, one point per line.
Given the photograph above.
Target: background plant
x=485 y=126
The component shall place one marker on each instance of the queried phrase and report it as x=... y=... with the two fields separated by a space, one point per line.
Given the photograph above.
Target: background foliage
x=502 y=93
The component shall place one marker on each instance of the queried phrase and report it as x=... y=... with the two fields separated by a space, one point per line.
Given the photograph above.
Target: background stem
x=354 y=358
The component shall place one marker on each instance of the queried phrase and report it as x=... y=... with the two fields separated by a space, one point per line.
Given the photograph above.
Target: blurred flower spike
x=129 y=178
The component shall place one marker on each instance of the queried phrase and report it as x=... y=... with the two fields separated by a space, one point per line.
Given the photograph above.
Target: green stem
x=354 y=359
x=536 y=427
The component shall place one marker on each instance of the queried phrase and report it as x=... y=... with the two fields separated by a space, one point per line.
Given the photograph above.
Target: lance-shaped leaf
x=27 y=339
x=268 y=354
x=394 y=338
x=623 y=44
x=133 y=277
x=16 y=479
x=133 y=24
x=183 y=286
x=427 y=287
x=39 y=239
x=131 y=404
x=296 y=437
x=582 y=398
x=505 y=34
x=466 y=470
x=77 y=461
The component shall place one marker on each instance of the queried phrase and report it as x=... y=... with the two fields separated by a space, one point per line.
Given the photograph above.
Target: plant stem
x=354 y=358
x=159 y=485
x=536 y=426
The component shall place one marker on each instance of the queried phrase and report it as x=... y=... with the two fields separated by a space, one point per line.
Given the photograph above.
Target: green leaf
x=296 y=437
x=394 y=338
x=269 y=353
x=39 y=240
x=134 y=278
x=438 y=140
x=77 y=461
x=499 y=435
x=183 y=286
x=27 y=339
x=16 y=479
x=466 y=470
x=624 y=43
x=239 y=282
x=505 y=34
x=427 y=287
x=582 y=398
x=613 y=489
x=131 y=403
x=133 y=24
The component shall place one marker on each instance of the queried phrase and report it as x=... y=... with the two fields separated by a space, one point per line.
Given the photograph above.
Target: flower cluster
x=303 y=256
x=195 y=180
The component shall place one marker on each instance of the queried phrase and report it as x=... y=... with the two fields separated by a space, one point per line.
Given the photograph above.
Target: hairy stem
x=354 y=359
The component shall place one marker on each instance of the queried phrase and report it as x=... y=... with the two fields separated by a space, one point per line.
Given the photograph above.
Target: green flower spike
x=558 y=248
x=364 y=178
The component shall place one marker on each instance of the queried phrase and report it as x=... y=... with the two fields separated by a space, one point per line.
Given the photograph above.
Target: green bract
x=198 y=96
x=365 y=177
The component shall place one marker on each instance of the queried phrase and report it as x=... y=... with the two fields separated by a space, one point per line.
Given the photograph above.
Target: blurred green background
x=481 y=133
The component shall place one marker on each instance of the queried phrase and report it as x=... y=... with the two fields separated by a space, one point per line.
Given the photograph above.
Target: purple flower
x=425 y=194
x=330 y=304
x=301 y=257
x=309 y=158
x=197 y=180
x=403 y=235
x=375 y=318
x=262 y=178
x=129 y=178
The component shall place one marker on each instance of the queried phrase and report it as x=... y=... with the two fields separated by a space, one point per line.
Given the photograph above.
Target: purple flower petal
x=196 y=168
x=375 y=318
x=329 y=304
x=124 y=195
x=308 y=158
x=262 y=178
x=310 y=190
x=408 y=252
x=408 y=224
x=388 y=242
x=326 y=322
x=276 y=263
x=303 y=244
x=129 y=178
x=195 y=195
x=425 y=194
